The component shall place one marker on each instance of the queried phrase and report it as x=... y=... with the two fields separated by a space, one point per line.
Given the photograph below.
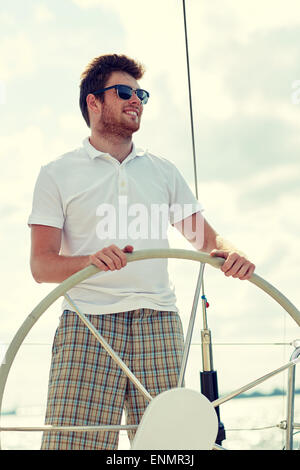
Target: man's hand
x=48 y=265
x=203 y=237
x=110 y=258
x=235 y=264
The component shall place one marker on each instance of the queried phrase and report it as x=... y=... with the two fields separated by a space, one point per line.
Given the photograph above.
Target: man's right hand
x=48 y=265
x=110 y=258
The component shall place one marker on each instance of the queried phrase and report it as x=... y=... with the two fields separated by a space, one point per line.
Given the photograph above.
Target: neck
x=118 y=147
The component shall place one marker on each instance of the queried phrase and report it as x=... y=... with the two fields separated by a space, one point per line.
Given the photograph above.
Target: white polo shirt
x=97 y=201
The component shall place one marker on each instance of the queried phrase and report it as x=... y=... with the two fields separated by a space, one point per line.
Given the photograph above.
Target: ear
x=94 y=105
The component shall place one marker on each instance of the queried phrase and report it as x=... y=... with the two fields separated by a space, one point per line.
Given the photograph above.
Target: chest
x=108 y=184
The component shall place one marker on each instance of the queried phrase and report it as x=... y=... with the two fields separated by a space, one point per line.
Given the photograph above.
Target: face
x=119 y=117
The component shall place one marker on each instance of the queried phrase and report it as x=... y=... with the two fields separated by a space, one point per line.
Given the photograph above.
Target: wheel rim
x=85 y=273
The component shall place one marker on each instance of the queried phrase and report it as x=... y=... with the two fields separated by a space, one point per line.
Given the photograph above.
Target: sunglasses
x=125 y=92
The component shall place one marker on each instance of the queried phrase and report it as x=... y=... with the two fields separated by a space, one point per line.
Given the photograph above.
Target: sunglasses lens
x=142 y=95
x=124 y=92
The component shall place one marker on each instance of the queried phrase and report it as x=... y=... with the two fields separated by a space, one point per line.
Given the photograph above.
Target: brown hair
x=97 y=73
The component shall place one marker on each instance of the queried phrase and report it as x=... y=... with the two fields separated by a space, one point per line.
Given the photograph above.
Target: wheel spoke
x=109 y=350
x=191 y=327
x=250 y=385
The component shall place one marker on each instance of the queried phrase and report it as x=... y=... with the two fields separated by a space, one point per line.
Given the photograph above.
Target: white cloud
x=88 y=3
x=6 y=19
x=264 y=15
x=17 y=57
x=282 y=110
x=2 y=92
x=155 y=27
x=42 y=13
x=239 y=21
x=214 y=102
x=22 y=153
x=73 y=123
x=161 y=28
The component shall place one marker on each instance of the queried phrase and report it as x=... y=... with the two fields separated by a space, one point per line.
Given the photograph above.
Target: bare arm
x=203 y=237
x=47 y=265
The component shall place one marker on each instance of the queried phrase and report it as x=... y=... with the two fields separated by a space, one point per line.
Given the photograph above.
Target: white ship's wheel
x=157 y=404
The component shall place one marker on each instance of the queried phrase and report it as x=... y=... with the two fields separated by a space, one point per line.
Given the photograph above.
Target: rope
x=190 y=98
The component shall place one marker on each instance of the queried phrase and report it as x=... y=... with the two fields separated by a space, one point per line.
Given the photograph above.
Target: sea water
x=250 y=424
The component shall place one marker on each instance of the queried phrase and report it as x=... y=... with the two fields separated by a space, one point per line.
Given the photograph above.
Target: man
x=84 y=209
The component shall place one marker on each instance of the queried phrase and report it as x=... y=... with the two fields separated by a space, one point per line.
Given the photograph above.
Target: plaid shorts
x=87 y=387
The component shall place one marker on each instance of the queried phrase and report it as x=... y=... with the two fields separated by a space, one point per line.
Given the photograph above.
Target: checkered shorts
x=87 y=387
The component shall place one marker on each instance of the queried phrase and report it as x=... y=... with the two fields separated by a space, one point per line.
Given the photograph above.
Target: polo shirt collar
x=94 y=153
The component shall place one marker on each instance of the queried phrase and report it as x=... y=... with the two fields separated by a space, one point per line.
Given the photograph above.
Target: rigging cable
x=190 y=98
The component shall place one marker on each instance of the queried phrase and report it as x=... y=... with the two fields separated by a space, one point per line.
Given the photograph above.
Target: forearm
x=54 y=268
x=211 y=240
x=204 y=238
x=216 y=242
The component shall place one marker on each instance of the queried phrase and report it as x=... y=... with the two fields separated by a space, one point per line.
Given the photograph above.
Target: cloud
x=17 y=57
x=238 y=23
x=71 y=123
x=267 y=231
x=262 y=16
x=142 y=40
x=42 y=13
x=2 y=92
x=241 y=97
x=88 y=3
x=7 y=20
x=23 y=152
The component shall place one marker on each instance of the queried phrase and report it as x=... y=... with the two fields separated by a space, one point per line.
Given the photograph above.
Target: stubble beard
x=110 y=127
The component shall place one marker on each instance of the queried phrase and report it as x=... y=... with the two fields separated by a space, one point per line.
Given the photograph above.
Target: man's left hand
x=235 y=264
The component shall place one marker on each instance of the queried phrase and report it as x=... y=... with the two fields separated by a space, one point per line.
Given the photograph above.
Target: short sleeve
x=47 y=206
x=183 y=203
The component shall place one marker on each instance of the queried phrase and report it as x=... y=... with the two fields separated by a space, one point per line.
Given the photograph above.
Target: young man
x=84 y=212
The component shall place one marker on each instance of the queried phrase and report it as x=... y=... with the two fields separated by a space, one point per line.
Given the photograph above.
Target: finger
x=249 y=273
x=117 y=255
x=229 y=257
x=99 y=264
x=241 y=270
x=128 y=249
x=107 y=260
x=220 y=253
x=245 y=271
x=230 y=267
x=107 y=257
x=239 y=267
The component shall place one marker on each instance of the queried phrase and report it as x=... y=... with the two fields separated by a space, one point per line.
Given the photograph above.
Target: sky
x=245 y=81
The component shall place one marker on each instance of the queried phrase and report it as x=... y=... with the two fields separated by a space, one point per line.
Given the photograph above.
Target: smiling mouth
x=134 y=115
x=131 y=113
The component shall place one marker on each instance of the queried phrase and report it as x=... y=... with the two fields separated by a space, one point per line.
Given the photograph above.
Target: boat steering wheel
x=65 y=286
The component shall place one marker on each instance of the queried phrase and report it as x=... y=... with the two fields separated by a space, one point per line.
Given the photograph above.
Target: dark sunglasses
x=125 y=92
